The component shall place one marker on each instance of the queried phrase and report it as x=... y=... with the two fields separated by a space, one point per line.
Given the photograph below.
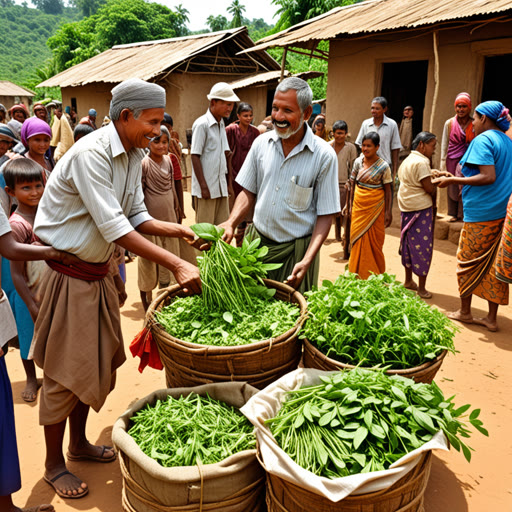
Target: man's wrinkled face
x=287 y=116
x=377 y=110
x=146 y=127
x=40 y=112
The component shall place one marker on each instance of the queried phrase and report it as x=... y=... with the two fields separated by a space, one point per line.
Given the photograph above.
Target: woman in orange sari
x=370 y=207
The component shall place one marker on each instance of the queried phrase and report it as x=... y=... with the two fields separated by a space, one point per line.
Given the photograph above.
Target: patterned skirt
x=416 y=240
x=504 y=257
x=476 y=256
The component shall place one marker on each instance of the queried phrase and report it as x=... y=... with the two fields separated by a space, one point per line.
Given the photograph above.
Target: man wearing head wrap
x=93 y=201
x=40 y=111
x=290 y=178
x=457 y=134
x=211 y=176
x=482 y=266
x=91 y=118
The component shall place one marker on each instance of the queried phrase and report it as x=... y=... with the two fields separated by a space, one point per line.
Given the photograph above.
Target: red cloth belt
x=145 y=347
x=81 y=270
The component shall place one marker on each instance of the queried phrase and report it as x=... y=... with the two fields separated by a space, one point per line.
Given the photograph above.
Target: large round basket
x=406 y=495
x=313 y=358
x=259 y=364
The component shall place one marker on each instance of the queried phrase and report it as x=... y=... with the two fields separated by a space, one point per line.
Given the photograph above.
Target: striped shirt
x=93 y=197
x=290 y=192
x=388 y=133
x=209 y=141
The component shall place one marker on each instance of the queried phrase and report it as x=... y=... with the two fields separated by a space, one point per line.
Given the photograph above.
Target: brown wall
x=355 y=71
x=257 y=98
x=9 y=101
x=95 y=96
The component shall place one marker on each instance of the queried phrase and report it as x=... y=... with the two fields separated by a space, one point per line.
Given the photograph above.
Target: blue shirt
x=487 y=202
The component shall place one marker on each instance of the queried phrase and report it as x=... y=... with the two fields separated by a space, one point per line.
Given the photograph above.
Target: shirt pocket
x=299 y=198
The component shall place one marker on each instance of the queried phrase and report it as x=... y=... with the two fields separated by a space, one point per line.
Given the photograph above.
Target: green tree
x=217 y=23
x=88 y=7
x=6 y=3
x=183 y=19
x=116 y=22
x=49 y=6
x=237 y=10
x=292 y=12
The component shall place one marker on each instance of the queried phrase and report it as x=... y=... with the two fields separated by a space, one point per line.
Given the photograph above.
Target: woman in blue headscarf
x=487 y=186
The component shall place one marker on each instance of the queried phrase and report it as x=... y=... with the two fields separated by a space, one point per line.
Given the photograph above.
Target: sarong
x=504 y=256
x=416 y=241
x=10 y=478
x=289 y=254
x=78 y=343
x=476 y=257
x=367 y=232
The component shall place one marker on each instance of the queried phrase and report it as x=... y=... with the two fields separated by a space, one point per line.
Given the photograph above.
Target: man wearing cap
x=290 y=177
x=90 y=119
x=211 y=176
x=93 y=201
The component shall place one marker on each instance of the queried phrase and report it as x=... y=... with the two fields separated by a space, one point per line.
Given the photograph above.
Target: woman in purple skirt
x=416 y=197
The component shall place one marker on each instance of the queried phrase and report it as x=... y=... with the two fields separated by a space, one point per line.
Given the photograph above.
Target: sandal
x=51 y=481
x=95 y=458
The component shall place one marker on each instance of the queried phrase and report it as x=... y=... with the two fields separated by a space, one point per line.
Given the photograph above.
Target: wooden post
x=436 y=80
x=283 y=63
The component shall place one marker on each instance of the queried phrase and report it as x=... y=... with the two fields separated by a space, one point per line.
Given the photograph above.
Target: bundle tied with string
x=235 y=484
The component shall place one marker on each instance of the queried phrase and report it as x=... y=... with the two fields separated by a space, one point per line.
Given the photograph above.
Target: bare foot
x=424 y=294
x=466 y=318
x=411 y=285
x=29 y=394
x=491 y=326
x=92 y=452
x=65 y=484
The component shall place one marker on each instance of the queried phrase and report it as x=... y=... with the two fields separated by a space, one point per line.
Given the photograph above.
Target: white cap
x=222 y=91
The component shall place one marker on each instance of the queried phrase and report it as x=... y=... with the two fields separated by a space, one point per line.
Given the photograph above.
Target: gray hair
x=135 y=95
x=424 y=137
x=301 y=87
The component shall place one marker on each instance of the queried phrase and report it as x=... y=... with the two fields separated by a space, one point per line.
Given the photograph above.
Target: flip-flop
x=51 y=481
x=95 y=458
x=38 y=508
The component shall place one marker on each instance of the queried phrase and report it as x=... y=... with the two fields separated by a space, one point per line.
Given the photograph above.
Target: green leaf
x=196 y=325
x=299 y=420
x=461 y=410
x=360 y=458
x=360 y=436
x=207 y=231
x=466 y=450
x=228 y=317
x=368 y=418
x=399 y=394
x=424 y=420
x=474 y=414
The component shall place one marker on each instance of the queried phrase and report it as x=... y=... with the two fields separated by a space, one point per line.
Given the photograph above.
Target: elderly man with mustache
x=290 y=178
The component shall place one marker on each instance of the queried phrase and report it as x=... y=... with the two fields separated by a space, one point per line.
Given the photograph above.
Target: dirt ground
x=479 y=375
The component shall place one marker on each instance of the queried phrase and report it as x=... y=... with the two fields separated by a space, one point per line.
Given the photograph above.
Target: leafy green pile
x=231 y=276
x=186 y=319
x=375 y=322
x=182 y=431
x=361 y=420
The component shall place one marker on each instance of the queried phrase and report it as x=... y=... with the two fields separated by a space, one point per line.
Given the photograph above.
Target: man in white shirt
x=211 y=177
x=290 y=177
x=92 y=201
x=387 y=129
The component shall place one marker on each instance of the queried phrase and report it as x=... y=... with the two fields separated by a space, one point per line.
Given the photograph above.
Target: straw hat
x=222 y=91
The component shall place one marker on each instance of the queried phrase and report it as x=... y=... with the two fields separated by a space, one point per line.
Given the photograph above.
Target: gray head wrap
x=135 y=95
x=3 y=109
x=15 y=127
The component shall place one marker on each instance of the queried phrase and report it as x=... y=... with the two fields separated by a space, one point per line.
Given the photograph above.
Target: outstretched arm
x=244 y=202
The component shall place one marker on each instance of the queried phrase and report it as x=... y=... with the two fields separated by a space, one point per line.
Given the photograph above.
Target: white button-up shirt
x=93 y=197
x=388 y=133
x=290 y=192
x=209 y=141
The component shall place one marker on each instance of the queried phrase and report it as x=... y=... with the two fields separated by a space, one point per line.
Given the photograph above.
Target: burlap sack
x=234 y=485
x=266 y=403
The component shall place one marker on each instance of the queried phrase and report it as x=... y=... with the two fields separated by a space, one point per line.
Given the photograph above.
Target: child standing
x=161 y=202
x=36 y=135
x=24 y=181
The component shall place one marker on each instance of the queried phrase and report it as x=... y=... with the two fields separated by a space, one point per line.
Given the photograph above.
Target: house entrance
x=496 y=86
x=405 y=83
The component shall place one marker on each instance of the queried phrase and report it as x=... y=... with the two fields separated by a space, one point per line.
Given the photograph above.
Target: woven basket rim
x=402 y=372
x=168 y=339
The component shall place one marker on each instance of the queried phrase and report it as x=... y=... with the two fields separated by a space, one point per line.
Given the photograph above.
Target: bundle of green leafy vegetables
x=235 y=307
x=182 y=431
x=362 y=420
x=375 y=322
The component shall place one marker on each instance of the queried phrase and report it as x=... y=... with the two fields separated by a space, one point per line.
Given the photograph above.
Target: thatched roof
x=9 y=89
x=261 y=79
x=213 y=52
x=372 y=17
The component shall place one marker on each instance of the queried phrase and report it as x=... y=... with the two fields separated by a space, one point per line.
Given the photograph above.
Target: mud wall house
x=186 y=67
x=414 y=52
x=12 y=94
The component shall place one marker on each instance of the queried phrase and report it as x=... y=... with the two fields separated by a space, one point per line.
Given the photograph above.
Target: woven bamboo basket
x=406 y=495
x=259 y=364
x=313 y=358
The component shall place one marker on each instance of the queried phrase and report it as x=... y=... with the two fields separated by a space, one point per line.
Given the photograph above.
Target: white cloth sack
x=266 y=403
